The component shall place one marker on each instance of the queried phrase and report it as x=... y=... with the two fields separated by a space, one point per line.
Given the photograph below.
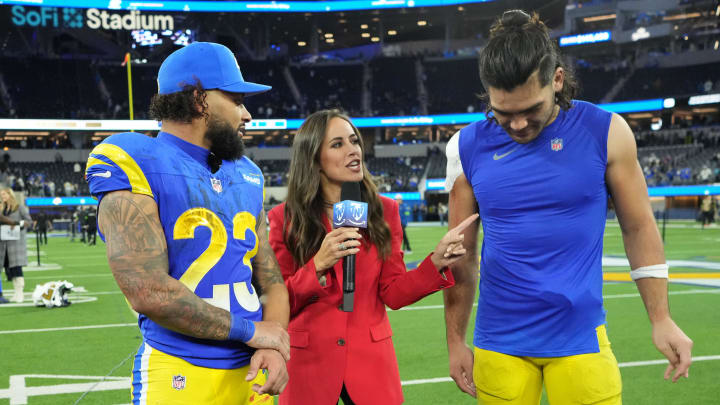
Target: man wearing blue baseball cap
x=182 y=217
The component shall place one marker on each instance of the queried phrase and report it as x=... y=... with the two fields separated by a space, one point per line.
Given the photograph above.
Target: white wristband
x=654 y=271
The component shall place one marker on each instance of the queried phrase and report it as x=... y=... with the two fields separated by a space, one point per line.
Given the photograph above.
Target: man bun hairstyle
x=519 y=45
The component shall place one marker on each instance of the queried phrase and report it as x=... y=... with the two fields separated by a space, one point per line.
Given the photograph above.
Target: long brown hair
x=305 y=205
x=519 y=45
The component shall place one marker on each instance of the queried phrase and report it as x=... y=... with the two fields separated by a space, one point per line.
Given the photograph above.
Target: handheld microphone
x=351 y=212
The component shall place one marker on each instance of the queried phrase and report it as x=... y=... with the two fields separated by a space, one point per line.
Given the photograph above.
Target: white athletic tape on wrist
x=454 y=166
x=654 y=271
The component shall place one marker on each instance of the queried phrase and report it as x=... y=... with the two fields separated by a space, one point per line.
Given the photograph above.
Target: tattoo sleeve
x=138 y=257
x=266 y=270
x=268 y=279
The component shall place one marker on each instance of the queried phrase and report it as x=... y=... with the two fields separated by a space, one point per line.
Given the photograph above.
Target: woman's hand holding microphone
x=337 y=244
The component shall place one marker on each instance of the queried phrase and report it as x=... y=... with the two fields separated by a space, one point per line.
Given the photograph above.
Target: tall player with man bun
x=539 y=172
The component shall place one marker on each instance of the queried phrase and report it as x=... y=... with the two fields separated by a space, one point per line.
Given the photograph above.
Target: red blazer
x=329 y=346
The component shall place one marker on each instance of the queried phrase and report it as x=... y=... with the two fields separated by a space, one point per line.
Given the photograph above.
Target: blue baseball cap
x=212 y=65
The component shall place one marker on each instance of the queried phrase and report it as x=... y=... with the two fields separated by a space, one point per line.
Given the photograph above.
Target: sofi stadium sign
x=56 y=17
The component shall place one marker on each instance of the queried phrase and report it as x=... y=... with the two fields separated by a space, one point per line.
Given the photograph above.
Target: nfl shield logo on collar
x=216 y=185
x=178 y=382
x=556 y=144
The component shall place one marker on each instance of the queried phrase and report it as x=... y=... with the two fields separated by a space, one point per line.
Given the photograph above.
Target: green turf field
x=44 y=361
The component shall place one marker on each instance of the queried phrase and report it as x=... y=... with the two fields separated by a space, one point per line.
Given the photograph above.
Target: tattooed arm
x=138 y=257
x=137 y=253
x=268 y=279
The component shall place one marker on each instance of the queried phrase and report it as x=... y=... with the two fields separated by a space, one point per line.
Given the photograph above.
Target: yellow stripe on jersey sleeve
x=94 y=162
x=127 y=164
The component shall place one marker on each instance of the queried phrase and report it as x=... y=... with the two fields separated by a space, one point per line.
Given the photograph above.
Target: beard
x=225 y=141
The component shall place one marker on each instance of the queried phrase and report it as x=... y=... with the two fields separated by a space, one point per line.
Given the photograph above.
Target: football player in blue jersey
x=539 y=172
x=182 y=216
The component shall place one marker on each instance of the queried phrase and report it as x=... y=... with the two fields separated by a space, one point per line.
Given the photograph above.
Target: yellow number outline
x=242 y=222
x=185 y=229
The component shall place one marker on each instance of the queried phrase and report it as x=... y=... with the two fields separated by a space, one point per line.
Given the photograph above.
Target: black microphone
x=350 y=211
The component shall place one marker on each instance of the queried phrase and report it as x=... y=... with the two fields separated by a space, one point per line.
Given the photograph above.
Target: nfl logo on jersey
x=178 y=382
x=216 y=185
x=556 y=144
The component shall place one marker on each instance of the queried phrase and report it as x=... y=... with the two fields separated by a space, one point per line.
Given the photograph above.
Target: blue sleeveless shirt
x=543 y=207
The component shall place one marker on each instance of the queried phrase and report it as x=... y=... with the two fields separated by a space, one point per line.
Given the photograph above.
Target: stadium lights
x=328 y=35
x=392 y=32
x=302 y=43
x=600 y=18
x=27 y=133
x=717 y=42
x=375 y=39
x=640 y=33
x=681 y=16
x=365 y=35
x=656 y=125
x=422 y=23
x=640 y=115
x=706 y=110
x=330 y=40
x=461 y=8
x=363 y=26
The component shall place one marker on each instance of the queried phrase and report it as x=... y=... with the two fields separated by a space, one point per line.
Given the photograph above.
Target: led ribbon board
x=589 y=38
x=276 y=124
x=243 y=6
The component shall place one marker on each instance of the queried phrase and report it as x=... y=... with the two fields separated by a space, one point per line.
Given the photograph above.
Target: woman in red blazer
x=336 y=354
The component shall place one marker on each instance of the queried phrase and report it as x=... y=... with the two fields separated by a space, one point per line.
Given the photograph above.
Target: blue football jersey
x=209 y=220
x=543 y=207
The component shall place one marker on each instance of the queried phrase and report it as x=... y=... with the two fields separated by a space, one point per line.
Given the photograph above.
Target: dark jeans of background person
x=42 y=234
x=91 y=236
x=406 y=241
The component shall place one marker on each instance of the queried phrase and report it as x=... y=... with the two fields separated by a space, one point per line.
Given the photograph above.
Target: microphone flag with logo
x=350 y=212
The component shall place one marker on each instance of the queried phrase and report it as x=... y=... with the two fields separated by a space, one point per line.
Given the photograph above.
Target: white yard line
x=112 y=325
x=77 y=257
x=622 y=365
x=606 y=297
x=416 y=308
x=68 y=277
x=18 y=393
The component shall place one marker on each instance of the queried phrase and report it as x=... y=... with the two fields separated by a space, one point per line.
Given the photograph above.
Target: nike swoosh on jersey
x=498 y=157
x=106 y=174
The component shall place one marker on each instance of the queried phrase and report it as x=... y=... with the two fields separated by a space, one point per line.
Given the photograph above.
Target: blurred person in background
x=14 y=252
x=442 y=213
x=42 y=223
x=539 y=172
x=406 y=212
x=73 y=225
x=707 y=211
x=91 y=221
x=352 y=351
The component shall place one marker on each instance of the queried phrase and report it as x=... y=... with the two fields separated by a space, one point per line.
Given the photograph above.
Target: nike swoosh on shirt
x=107 y=174
x=498 y=157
